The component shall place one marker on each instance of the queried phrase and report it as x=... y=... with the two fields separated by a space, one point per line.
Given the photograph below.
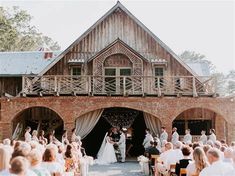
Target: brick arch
x=117 y=106
x=221 y=114
x=19 y=112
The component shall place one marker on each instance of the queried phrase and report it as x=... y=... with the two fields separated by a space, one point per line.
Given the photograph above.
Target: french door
x=114 y=79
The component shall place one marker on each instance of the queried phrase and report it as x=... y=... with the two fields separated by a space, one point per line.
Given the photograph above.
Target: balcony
x=119 y=85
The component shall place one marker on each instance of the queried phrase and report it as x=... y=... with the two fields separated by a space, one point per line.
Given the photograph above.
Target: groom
x=122 y=144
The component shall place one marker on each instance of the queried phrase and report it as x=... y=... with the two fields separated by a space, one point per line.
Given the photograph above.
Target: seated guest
x=217 y=166
x=35 y=159
x=177 y=151
x=228 y=155
x=19 y=166
x=183 y=163
x=168 y=157
x=4 y=161
x=152 y=151
x=49 y=162
x=199 y=162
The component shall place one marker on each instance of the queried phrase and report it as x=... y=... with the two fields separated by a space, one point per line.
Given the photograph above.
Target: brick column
x=231 y=132
x=69 y=126
x=5 y=130
x=220 y=127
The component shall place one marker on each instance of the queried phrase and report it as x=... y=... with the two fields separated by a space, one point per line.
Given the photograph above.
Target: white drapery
x=153 y=123
x=86 y=122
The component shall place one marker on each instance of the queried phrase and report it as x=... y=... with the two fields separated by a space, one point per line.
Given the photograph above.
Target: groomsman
x=212 y=136
x=122 y=144
x=175 y=136
x=163 y=136
x=188 y=137
x=148 y=138
x=203 y=137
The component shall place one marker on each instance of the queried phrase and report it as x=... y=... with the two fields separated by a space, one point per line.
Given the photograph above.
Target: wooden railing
x=119 y=85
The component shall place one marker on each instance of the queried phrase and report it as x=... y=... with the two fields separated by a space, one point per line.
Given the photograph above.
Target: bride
x=106 y=154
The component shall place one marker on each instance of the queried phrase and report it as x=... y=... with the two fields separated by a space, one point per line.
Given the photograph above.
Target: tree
x=17 y=34
x=225 y=84
x=191 y=56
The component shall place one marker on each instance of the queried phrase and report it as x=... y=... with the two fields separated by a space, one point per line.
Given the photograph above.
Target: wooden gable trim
x=113 y=9
x=123 y=44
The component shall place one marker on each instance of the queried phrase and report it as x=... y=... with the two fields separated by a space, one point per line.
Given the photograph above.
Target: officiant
x=115 y=134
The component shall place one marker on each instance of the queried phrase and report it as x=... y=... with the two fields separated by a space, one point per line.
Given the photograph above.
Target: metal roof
x=201 y=68
x=20 y=63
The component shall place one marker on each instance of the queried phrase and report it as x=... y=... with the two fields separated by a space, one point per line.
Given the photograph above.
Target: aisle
x=129 y=168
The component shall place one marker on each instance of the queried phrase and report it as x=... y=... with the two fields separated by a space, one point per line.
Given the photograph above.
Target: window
x=159 y=72
x=76 y=71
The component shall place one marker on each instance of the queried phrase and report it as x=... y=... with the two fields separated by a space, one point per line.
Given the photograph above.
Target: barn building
x=117 y=73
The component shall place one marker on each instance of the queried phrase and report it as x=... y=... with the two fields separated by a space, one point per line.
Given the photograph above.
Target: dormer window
x=76 y=71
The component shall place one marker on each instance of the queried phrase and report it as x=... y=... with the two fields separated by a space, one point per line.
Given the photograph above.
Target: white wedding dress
x=106 y=154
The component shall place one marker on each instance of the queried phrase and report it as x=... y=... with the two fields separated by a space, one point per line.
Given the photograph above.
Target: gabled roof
x=115 y=42
x=118 y=5
x=28 y=62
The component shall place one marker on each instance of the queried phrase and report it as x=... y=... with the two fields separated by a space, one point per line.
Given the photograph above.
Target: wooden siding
x=10 y=85
x=119 y=25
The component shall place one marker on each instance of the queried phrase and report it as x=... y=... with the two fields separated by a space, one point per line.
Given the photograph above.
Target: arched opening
x=198 y=119
x=131 y=119
x=38 y=118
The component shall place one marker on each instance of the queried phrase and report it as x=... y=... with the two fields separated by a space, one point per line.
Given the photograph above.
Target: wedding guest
x=212 y=136
x=35 y=159
x=49 y=162
x=7 y=145
x=203 y=137
x=183 y=163
x=187 y=137
x=27 y=135
x=163 y=136
x=19 y=166
x=71 y=164
x=5 y=157
x=178 y=155
x=228 y=155
x=148 y=138
x=175 y=136
x=199 y=162
x=75 y=138
x=42 y=138
x=217 y=166
x=35 y=135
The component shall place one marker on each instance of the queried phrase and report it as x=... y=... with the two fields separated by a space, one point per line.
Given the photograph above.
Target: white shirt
x=170 y=157
x=203 y=139
x=52 y=167
x=147 y=139
x=175 y=138
x=27 y=136
x=188 y=139
x=163 y=136
x=191 y=169
x=217 y=168
x=122 y=141
x=212 y=137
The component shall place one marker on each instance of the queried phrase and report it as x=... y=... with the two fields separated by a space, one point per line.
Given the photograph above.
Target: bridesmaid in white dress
x=106 y=154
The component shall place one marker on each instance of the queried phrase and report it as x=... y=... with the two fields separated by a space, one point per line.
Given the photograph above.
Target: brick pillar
x=69 y=126
x=5 y=130
x=220 y=127
x=231 y=132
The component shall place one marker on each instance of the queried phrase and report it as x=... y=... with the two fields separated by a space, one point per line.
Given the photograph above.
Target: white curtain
x=153 y=123
x=86 y=122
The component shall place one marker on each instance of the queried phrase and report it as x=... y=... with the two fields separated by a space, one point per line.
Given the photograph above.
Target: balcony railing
x=119 y=85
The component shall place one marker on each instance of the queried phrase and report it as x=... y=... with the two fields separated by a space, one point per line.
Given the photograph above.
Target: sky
x=206 y=27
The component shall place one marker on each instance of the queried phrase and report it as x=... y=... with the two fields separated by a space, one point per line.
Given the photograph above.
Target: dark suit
x=182 y=164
